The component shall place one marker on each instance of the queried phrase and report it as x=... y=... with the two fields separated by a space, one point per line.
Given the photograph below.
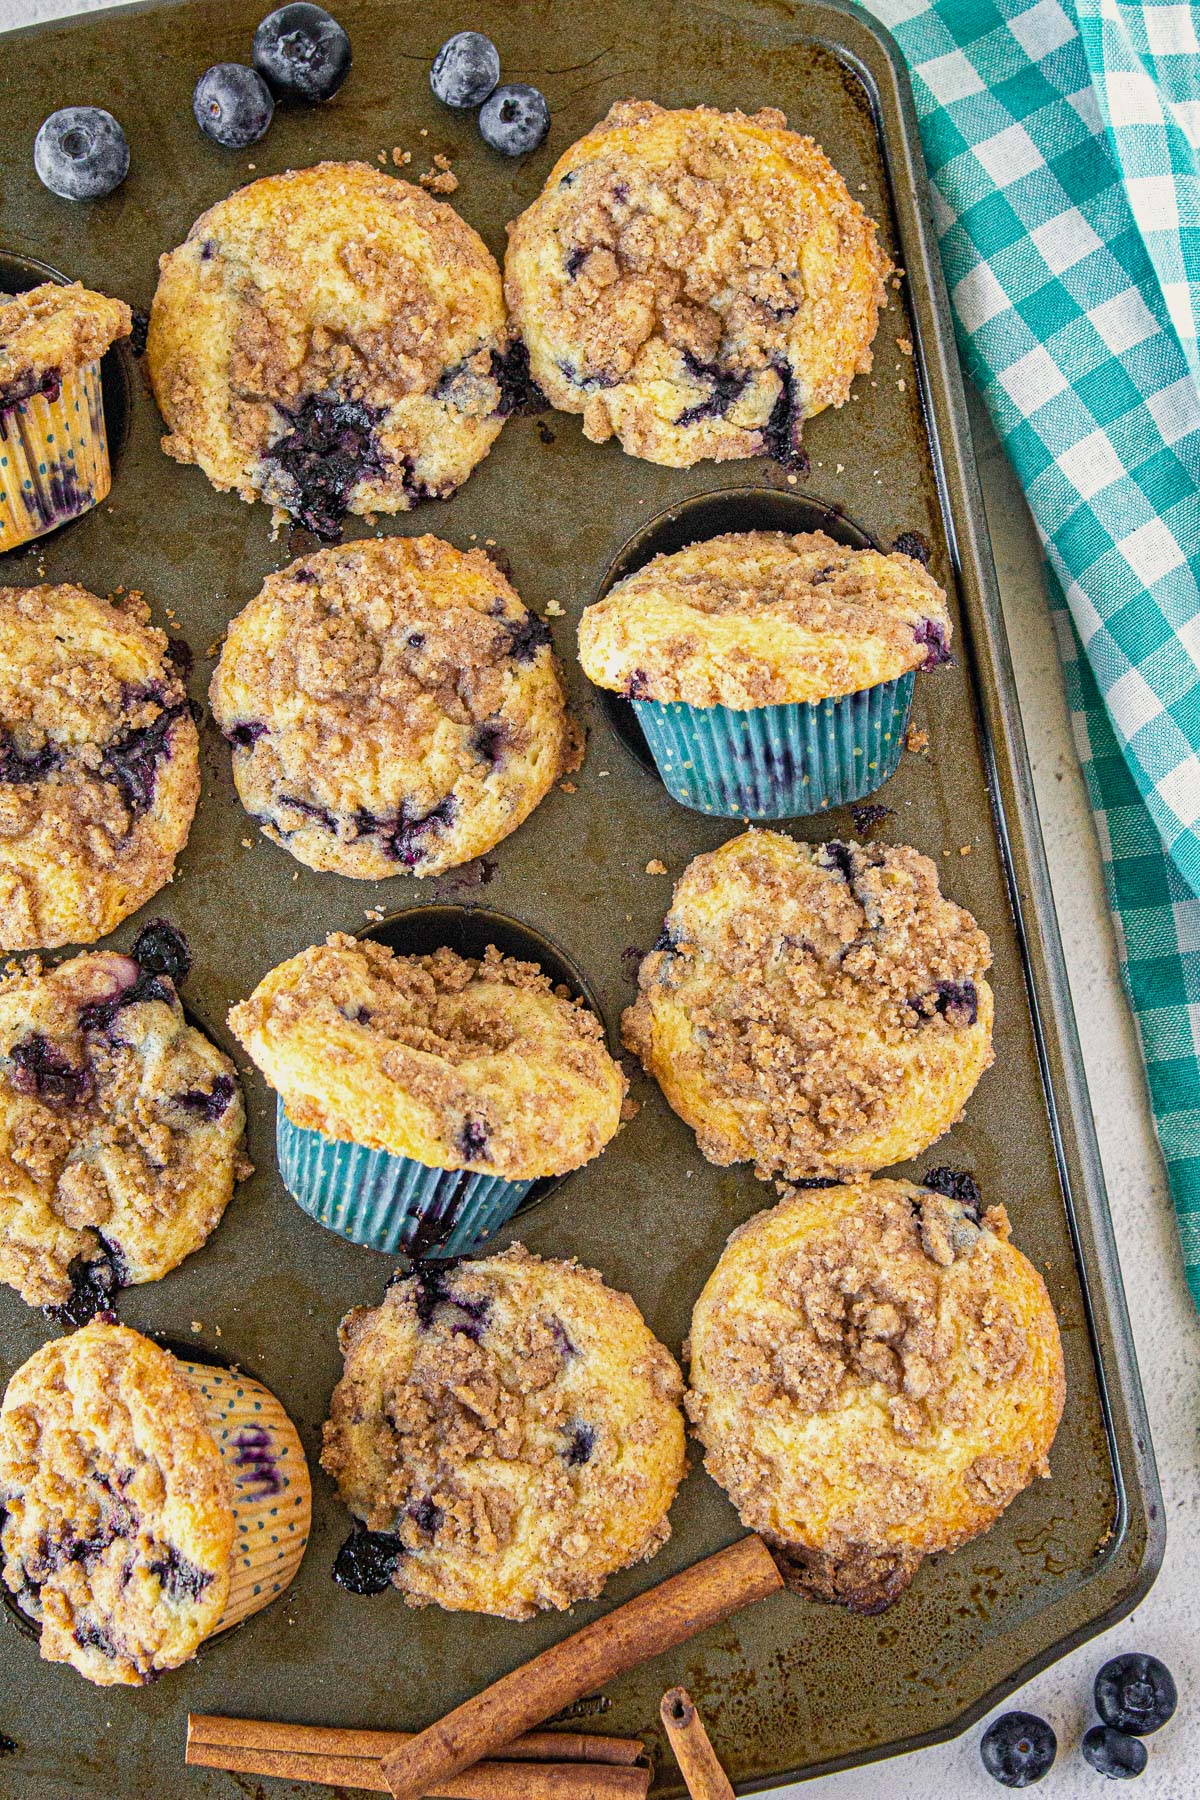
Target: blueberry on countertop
x=515 y=119
x=1112 y=1753
x=302 y=53
x=233 y=105
x=1018 y=1748
x=1135 y=1693
x=465 y=69
x=80 y=153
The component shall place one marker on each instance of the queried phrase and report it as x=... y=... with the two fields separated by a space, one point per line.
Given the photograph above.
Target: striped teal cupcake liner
x=778 y=762
x=391 y=1202
x=53 y=457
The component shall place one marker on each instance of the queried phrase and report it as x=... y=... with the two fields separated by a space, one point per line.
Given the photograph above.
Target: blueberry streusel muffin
x=456 y=1074
x=99 y=764
x=818 y=1009
x=53 y=445
x=331 y=340
x=772 y=674
x=145 y=1502
x=120 y=1125
x=508 y=1431
x=391 y=706
x=695 y=283
x=876 y=1373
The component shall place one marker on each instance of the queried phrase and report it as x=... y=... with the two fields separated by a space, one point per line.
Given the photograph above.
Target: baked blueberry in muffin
x=509 y=1433
x=456 y=1062
x=817 y=1009
x=695 y=283
x=99 y=764
x=876 y=1373
x=330 y=340
x=120 y=1125
x=391 y=707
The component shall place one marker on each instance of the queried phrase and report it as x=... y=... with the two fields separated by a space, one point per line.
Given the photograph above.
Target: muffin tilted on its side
x=121 y=1126
x=695 y=283
x=772 y=674
x=817 y=1009
x=99 y=764
x=509 y=1433
x=420 y=1097
x=53 y=441
x=876 y=1373
x=330 y=340
x=391 y=706
x=146 y=1502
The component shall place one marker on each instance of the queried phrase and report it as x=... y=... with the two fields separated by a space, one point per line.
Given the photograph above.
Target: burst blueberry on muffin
x=876 y=1373
x=509 y=1433
x=135 y=1492
x=120 y=1125
x=53 y=445
x=330 y=340
x=695 y=283
x=391 y=706
x=736 y=650
x=817 y=1009
x=420 y=1086
x=99 y=764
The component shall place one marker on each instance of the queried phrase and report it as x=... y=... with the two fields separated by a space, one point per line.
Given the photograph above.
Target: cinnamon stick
x=215 y=1729
x=484 y=1781
x=656 y=1621
x=706 y=1779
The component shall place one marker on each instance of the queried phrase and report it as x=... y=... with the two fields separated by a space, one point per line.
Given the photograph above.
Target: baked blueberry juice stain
x=255 y=1454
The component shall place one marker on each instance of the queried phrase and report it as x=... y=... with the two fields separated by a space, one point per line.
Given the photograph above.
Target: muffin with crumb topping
x=331 y=340
x=99 y=764
x=121 y=1125
x=392 y=707
x=876 y=1374
x=420 y=1097
x=53 y=443
x=146 y=1502
x=696 y=283
x=819 y=1010
x=771 y=673
x=507 y=1434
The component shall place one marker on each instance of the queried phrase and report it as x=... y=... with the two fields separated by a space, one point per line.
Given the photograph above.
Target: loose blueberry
x=1018 y=1748
x=1112 y=1753
x=233 y=105
x=80 y=153
x=1135 y=1693
x=365 y=1562
x=161 y=949
x=515 y=119
x=302 y=53
x=465 y=70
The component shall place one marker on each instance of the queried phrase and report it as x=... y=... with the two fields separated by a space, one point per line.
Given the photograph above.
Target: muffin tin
x=790 y=1687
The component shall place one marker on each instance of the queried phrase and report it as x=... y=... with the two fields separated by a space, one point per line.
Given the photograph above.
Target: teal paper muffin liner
x=391 y=1202
x=53 y=457
x=778 y=762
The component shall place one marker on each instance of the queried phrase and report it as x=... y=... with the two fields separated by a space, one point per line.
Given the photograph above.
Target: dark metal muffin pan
x=790 y=1687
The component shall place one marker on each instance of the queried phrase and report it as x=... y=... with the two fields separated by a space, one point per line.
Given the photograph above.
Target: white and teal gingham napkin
x=1062 y=139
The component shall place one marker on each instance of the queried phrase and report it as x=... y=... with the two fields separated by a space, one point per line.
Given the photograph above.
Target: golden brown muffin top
x=51 y=330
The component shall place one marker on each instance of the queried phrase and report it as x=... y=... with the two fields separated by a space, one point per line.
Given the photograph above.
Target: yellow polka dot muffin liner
x=778 y=762
x=53 y=457
x=272 y=1494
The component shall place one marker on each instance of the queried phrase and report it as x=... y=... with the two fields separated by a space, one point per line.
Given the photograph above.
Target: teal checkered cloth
x=1063 y=144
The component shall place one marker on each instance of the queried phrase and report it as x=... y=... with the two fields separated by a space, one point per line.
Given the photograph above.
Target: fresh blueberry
x=233 y=105
x=1018 y=1748
x=1112 y=1753
x=302 y=53
x=1135 y=1693
x=465 y=70
x=515 y=119
x=80 y=153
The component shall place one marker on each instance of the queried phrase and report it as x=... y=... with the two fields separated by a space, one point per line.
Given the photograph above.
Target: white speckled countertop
x=1165 y=1324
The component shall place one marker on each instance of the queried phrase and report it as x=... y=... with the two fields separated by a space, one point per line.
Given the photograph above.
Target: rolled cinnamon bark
x=656 y=1621
x=706 y=1779
x=215 y=1730
x=484 y=1781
